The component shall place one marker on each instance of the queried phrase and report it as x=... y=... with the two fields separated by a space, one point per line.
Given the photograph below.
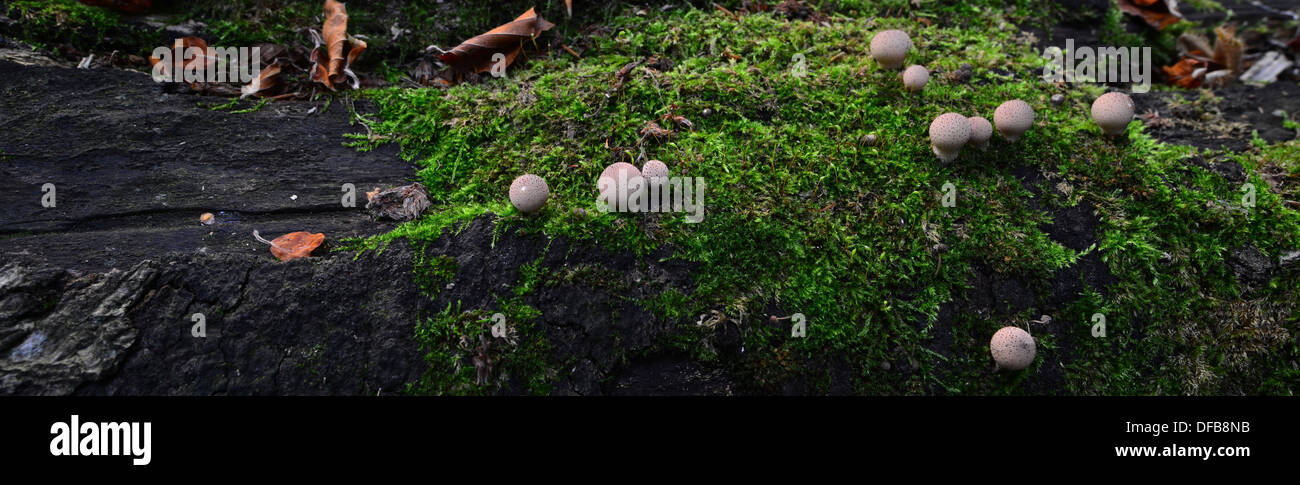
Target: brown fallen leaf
x=1202 y=65
x=679 y=120
x=399 y=203
x=265 y=80
x=293 y=245
x=476 y=53
x=198 y=63
x=329 y=66
x=1156 y=13
x=127 y=6
x=1228 y=48
x=653 y=129
x=1187 y=73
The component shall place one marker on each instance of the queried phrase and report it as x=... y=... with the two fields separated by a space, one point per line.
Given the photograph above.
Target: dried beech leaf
x=329 y=66
x=197 y=63
x=1187 y=73
x=296 y=245
x=1156 y=13
x=653 y=129
x=335 y=32
x=265 y=80
x=476 y=53
x=1228 y=48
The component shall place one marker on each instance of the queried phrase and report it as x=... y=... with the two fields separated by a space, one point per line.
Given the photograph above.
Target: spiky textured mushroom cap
x=889 y=48
x=915 y=78
x=613 y=173
x=1112 y=112
x=1012 y=348
x=619 y=169
x=980 y=131
x=1013 y=118
x=528 y=193
x=948 y=133
x=654 y=169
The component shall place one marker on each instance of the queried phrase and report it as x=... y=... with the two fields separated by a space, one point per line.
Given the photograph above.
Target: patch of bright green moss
x=801 y=213
x=48 y=23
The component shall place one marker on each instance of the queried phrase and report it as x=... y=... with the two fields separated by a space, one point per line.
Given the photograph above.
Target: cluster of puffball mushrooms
x=951 y=131
x=1012 y=348
x=528 y=192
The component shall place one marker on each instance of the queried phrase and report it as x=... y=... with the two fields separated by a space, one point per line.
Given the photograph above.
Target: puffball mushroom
x=655 y=173
x=889 y=48
x=620 y=175
x=915 y=77
x=980 y=131
x=528 y=193
x=1013 y=118
x=1012 y=348
x=654 y=169
x=948 y=133
x=1112 y=112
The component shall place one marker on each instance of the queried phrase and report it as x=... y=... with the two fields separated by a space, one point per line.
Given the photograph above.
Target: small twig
x=567 y=49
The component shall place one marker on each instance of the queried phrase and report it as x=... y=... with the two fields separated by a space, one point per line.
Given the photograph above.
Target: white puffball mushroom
x=656 y=175
x=654 y=169
x=1012 y=348
x=889 y=48
x=613 y=173
x=915 y=78
x=1112 y=112
x=948 y=133
x=528 y=193
x=1013 y=118
x=980 y=132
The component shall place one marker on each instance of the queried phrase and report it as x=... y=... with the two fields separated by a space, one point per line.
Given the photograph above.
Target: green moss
x=454 y=342
x=433 y=273
x=799 y=212
x=48 y=23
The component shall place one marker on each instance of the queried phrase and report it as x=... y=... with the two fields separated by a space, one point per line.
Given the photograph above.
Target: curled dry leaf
x=476 y=53
x=620 y=77
x=653 y=129
x=1200 y=64
x=264 y=80
x=293 y=245
x=679 y=120
x=1228 y=48
x=1187 y=73
x=400 y=203
x=1156 y=13
x=198 y=64
x=329 y=66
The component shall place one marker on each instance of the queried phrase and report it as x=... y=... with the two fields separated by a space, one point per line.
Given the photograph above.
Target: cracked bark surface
x=97 y=293
x=134 y=167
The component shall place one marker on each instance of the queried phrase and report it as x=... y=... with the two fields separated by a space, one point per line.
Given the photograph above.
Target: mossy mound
x=803 y=217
